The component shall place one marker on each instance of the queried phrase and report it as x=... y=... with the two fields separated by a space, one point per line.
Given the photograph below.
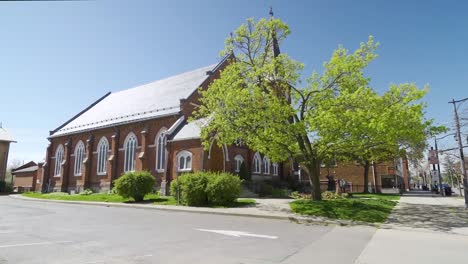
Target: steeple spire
x=276 y=49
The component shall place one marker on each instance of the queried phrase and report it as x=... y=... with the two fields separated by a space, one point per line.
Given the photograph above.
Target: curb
x=200 y=210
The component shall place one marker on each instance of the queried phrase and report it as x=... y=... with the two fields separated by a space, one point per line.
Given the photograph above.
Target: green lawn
x=366 y=210
x=114 y=198
x=95 y=197
x=391 y=197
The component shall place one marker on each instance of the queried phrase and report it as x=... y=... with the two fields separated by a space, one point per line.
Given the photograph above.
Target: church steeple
x=276 y=49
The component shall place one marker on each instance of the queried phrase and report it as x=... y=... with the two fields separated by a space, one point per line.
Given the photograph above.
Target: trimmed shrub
x=327 y=195
x=279 y=193
x=86 y=192
x=223 y=188
x=206 y=188
x=134 y=185
x=6 y=187
x=190 y=188
x=296 y=195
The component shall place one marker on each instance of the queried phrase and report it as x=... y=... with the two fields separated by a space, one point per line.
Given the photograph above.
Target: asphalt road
x=41 y=232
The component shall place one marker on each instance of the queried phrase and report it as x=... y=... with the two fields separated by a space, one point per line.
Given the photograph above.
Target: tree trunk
x=313 y=170
x=366 y=176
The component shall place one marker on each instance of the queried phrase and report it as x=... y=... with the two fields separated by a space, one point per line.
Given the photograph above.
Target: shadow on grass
x=371 y=211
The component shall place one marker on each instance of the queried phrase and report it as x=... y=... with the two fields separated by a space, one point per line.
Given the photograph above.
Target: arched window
x=275 y=169
x=266 y=165
x=102 y=150
x=58 y=160
x=160 y=143
x=79 y=155
x=130 y=145
x=257 y=163
x=238 y=159
x=184 y=161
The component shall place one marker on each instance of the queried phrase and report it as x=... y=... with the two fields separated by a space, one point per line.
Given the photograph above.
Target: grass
x=374 y=210
x=114 y=198
x=390 y=197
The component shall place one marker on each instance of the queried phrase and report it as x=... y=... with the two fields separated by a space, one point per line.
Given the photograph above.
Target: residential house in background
x=26 y=177
x=390 y=176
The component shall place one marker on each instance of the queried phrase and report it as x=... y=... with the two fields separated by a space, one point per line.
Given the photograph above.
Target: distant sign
x=434 y=175
x=433 y=157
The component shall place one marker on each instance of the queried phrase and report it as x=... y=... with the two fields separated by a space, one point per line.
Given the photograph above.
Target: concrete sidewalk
x=264 y=208
x=422 y=211
x=423 y=228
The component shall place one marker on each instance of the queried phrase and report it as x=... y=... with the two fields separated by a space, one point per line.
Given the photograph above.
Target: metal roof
x=191 y=130
x=5 y=135
x=28 y=169
x=152 y=100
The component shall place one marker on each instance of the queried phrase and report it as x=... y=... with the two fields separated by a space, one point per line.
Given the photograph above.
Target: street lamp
x=460 y=147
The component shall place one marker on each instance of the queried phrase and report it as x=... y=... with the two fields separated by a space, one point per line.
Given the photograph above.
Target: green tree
x=452 y=171
x=257 y=97
x=356 y=123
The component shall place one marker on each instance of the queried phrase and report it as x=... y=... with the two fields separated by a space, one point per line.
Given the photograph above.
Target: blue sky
x=58 y=57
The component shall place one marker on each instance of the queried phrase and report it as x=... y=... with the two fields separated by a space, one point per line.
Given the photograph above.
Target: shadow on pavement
x=432 y=216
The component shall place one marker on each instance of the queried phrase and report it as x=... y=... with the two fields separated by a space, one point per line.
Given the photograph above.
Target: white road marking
x=33 y=244
x=237 y=233
x=7 y=231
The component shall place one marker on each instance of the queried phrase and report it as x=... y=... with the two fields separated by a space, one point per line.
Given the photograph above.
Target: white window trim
x=129 y=136
x=185 y=154
x=79 y=146
x=161 y=132
x=58 y=161
x=266 y=162
x=257 y=157
x=102 y=141
x=275 y=169
x=236 y=159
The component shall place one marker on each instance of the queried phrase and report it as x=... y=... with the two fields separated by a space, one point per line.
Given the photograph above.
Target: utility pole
x=441 y=189
x=460 y=147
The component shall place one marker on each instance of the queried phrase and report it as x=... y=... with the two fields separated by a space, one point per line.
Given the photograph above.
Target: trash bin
x=448 y=191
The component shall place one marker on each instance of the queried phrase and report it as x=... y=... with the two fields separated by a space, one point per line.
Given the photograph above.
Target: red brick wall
x=152 y=127
x=193 y=146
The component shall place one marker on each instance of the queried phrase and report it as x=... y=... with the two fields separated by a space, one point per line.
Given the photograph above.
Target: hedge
x=206 y=188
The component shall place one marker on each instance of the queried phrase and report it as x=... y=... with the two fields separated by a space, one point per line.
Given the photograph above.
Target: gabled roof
x=191 y=130
x=152 y=100
x=29 y=164
x=28 y=169
x=5 y=135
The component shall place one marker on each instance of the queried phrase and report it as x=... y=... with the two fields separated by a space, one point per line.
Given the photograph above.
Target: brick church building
x=147 y=128
x=143 y=128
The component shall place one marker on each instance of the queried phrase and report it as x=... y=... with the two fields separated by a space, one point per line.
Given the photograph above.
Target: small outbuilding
x=26 y=179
